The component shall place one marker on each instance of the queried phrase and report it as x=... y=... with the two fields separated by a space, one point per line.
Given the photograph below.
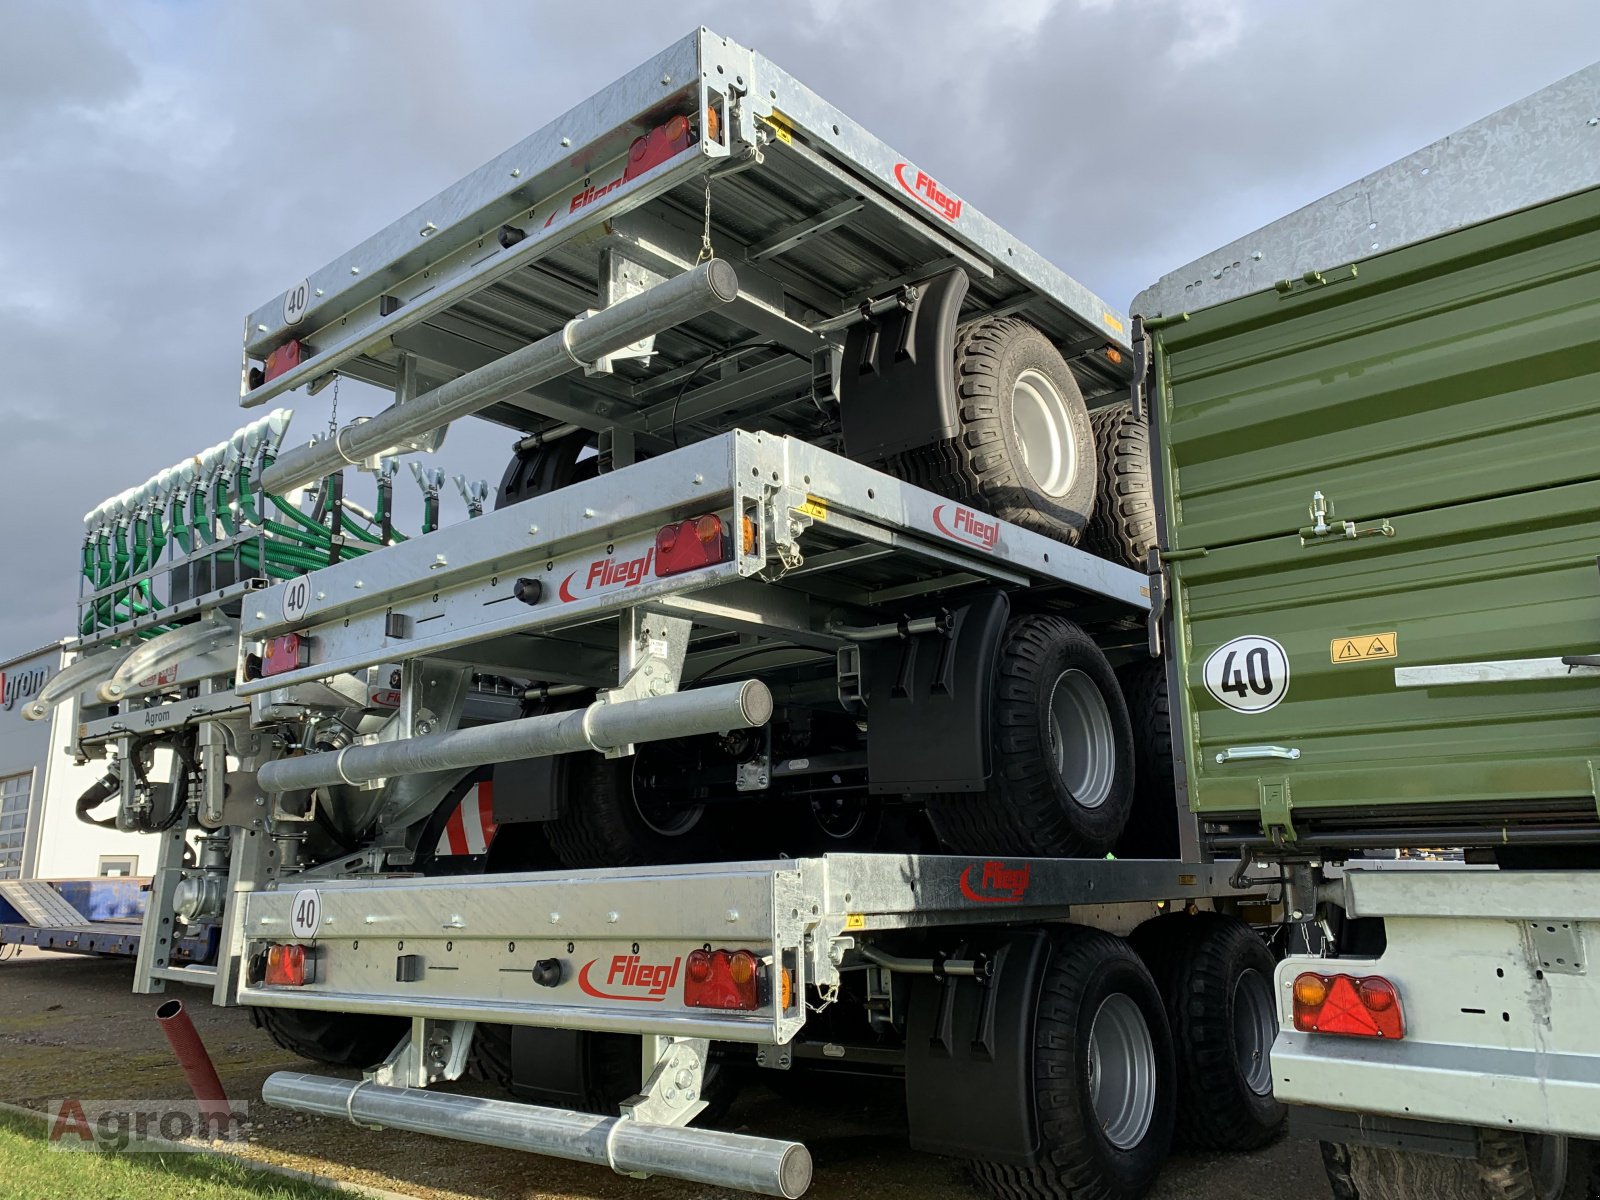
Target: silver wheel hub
x=1043 y=425
x=1122 y=1071
x=1082 y=738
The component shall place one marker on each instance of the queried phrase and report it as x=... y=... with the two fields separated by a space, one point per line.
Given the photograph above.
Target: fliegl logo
x=996 y=883
x=961 y=524
x=925 y=190
x=631 y=978
x=604 y=574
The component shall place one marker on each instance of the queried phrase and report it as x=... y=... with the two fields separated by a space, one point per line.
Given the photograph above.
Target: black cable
x=706 y=364
x=728 y=662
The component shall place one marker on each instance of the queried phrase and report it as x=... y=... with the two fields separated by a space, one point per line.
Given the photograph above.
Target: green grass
x=31 y=1170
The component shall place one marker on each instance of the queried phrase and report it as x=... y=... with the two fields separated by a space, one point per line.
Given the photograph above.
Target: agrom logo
x=21 y=685
x=961 y=524
x=995 y=883
x=631 y=978
x=925 y=190
x=604 y=574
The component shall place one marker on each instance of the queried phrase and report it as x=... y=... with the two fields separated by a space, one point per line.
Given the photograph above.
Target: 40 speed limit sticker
x=1249 y=674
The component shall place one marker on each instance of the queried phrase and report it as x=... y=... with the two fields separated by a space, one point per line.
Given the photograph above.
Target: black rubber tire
x=601 y=826
x=983 y=464
x=1152 y=828
x=1505 y=1169
x=1027 y=808
x=1123 y=528
x=336 y=1039
x=1196 y=961
x=1078 y=1161
x=617 y=1074
x=540 y=470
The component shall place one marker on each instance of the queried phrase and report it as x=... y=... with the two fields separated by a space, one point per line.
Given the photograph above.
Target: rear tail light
x=1365 y=1006
x=288 y=966
x=730 y=979
x=692 y=544
x=286 y=652
x=655 y=147
x=285 y=358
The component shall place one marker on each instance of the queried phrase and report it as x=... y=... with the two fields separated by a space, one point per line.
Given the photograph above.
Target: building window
x=119 y=864
x=16 y=791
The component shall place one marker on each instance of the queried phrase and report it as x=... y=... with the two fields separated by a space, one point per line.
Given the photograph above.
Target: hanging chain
x=706 y=251
x=333 y=413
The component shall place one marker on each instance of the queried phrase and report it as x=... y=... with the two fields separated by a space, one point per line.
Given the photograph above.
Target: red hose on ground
x=215 y=1115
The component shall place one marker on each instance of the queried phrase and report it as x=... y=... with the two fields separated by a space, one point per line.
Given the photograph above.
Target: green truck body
x=1383 y=466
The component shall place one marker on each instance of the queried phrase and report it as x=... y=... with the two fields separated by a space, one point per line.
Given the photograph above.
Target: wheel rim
x=1043 y=425
x=1122 y=1071
x=1082 y=738
x=1254 y=1026
x=839 y=817
x=662 y=817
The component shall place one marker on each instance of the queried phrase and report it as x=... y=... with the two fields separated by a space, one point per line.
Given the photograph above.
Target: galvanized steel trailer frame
x=817 y=215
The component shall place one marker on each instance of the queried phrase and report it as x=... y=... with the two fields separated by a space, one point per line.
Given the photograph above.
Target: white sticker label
x=296 y=598
x=306 y=914
x=295 y=302
x=1248 y=674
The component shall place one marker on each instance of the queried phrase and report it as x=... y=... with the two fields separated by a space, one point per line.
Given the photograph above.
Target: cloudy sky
x=167 y=167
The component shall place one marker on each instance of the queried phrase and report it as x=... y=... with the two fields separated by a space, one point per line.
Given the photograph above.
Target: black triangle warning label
x=1361 y=647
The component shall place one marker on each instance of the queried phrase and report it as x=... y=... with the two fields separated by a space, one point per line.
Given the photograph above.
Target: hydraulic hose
x=103 y=789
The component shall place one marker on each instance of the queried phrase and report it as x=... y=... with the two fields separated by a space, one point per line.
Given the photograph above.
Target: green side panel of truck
x=1445 y=399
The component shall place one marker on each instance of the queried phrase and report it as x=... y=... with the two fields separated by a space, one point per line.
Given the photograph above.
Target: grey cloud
x=166 y=168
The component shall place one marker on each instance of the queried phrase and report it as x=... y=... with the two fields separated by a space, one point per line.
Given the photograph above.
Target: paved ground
x=70 y=1025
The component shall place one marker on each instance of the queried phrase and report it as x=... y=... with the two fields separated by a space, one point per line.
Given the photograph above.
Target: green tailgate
x=1445 y=400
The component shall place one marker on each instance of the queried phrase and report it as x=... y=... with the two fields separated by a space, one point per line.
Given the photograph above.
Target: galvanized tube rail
x=601 y=726
x=754 y=1164
x=582 y=341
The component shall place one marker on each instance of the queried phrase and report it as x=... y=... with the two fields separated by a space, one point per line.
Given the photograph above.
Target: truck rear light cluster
x=283 y=653
x=1365 y=1006
x=288 y=966
x=729 y=979
x=284 y=359
x=692 y=544
x=655 y=147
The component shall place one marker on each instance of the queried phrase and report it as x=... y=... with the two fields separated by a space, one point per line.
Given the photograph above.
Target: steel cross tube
x=581 y=341
x=733 y=1160
x=601 y=726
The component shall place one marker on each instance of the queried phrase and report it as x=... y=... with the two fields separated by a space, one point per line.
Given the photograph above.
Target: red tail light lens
x=692 y=544
x=284 y=653
x=723 y=979
x=285 y=358
x=287 y=966
x=1368 y=1006
x=655 y=147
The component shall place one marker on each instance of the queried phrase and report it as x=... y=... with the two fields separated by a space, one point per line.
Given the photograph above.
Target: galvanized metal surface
x=479 y=937
x=765 y=1166
x=590 y=546
x=816 y=214
x=1392 y=472
x=1544 y=146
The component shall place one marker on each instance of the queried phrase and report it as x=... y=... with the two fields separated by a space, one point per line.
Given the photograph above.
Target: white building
x=40 y=834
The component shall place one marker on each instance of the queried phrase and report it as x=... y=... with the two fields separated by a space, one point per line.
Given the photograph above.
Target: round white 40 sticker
x=306 y=914
x=1248 y=674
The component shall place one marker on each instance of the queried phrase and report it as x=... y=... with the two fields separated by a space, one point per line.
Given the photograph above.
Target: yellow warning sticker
x=781 y=129
x=815 y=507
x=1112 y=320
x=1363 y=647
x=855 y=921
